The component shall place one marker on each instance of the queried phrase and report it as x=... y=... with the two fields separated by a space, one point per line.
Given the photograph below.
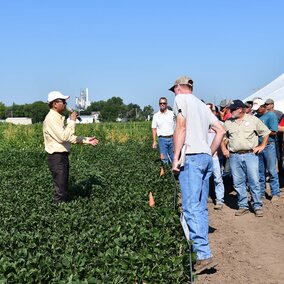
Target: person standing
x=281 y=129
x=225 y=112
x=193 y=119
x=217 y=175
x=267 y=158
x=163 y=124
x=57 y=140
x=248 y=107
x=242 y=149
x=279 y=137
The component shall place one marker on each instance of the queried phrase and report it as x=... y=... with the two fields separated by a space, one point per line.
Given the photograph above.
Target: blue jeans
x=194 y=184
x=166 y=148
x=218 y=181
x=267 y=162
x=244 y=168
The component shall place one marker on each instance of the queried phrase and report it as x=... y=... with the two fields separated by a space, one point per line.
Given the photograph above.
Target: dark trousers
x=58 y=163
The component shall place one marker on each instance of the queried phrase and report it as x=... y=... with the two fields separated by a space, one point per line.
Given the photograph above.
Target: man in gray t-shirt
x=193 y=119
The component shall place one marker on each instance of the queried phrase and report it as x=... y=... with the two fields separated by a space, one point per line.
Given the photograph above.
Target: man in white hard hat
x=57 y=140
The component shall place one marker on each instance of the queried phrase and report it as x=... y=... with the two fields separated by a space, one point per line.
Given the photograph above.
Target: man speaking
x=57 y=140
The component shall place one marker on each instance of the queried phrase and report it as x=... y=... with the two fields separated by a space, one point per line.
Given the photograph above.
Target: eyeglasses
x=63 y=101
x=162 y=103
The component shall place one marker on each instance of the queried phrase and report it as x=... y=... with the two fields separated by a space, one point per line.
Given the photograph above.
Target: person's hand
x=258 y=149
x=93 y=141
x=175 y=167
x=73 y=115
x=226 y=153
x=154 y=145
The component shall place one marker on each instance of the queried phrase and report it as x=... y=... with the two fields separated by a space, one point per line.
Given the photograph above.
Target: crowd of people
x=243 y=140
x=240 y=140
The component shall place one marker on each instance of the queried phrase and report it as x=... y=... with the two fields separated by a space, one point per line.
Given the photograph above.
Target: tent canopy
x=274 y=91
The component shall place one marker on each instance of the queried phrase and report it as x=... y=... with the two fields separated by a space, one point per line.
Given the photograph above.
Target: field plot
x=107 y=233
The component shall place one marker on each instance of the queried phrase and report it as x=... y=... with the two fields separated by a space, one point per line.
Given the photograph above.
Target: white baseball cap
x=56 y=95
x=257 y=103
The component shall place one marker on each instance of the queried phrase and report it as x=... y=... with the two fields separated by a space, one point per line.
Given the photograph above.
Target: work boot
x=204 y=264
x=241 y=211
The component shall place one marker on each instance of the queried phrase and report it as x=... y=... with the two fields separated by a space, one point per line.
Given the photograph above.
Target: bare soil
x=248 y=249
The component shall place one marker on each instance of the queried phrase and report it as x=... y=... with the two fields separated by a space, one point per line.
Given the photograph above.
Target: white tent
x=274 y=90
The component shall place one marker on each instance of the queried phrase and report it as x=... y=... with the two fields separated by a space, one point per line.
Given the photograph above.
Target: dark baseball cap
x=236 y=104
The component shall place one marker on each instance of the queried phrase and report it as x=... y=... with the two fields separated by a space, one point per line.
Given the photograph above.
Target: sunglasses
x=162 y=103
x=63 y=101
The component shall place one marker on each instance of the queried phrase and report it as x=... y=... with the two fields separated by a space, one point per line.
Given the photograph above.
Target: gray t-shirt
x=199 y=118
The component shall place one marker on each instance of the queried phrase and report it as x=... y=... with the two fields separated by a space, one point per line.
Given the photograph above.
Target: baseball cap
x=269 y=101
x=184 y=80
x=236 y=104
x=56 y=95
x=249 y=103
x=225 y=103
x=257 y=103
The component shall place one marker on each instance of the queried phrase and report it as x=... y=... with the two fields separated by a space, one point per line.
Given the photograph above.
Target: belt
x=167 y=136
x=242 y=152
x=60 y=153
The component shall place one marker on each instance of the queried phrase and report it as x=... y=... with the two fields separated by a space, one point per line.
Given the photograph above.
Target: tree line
x=110 y=110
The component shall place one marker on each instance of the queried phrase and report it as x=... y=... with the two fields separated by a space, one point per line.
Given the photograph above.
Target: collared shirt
x=57 y=136
x=164 y=122
x=244 y=135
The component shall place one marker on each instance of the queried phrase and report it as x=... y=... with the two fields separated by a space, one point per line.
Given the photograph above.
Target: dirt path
x=248 y=249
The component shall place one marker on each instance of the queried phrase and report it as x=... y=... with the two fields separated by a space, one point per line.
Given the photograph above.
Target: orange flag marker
x=162 y=172
x=151 y=200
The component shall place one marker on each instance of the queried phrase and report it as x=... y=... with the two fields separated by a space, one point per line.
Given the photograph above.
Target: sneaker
x=241 y=211
x=218 y=206
x=258 y=213
x=204 y=264
x=275 y=199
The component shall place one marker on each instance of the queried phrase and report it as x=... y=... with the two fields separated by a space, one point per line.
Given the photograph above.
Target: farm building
x=19 y=120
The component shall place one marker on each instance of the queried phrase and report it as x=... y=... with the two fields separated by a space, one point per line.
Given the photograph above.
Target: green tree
x=36 y=111
x=148 y=112
x=113 y=108
x=2 y=110
x=133 y=112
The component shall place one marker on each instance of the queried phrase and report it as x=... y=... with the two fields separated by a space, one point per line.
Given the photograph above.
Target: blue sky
x=136 y=49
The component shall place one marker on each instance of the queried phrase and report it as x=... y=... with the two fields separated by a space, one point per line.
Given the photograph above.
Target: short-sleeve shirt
x=278 y=114
x=281 y=123
x=164 y=122
x=244 y=135
x=198 y=118
x=270 y=120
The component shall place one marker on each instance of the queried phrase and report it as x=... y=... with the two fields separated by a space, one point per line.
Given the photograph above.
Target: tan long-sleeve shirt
x=57 y=135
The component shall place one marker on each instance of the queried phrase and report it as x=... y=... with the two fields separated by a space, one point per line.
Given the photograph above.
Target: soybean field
x=106 y=233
